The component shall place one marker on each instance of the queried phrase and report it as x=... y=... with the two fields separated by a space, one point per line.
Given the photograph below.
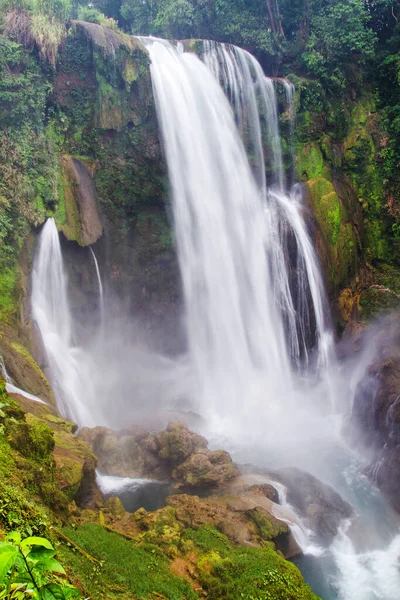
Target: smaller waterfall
x=12 y=388
x=69 y=366
x=101 y=294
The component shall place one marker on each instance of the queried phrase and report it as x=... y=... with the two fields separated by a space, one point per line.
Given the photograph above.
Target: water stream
x=261 y=366
x=101 y=293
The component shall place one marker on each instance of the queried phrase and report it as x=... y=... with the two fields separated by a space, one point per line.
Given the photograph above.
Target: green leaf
x=8 y=555
x=36 y=541
x=40 y=553
x=14 y=536
x=55 y=591
x=49 y=564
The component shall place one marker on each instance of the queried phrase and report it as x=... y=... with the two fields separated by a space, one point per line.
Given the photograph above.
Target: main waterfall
x=239 y=242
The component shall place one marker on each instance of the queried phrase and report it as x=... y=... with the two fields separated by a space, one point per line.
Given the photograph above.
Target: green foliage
x=339 y=37
x=29 y=569
x=92 y=15
x=128 y=568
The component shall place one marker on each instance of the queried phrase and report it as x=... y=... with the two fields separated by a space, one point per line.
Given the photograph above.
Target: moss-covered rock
x=22 y=367
x=309 y=161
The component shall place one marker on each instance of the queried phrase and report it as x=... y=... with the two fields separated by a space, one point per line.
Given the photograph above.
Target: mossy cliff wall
x=87 y=154
x=340 y=156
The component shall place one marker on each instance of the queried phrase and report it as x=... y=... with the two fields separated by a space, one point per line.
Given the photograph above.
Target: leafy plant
x=28 y=569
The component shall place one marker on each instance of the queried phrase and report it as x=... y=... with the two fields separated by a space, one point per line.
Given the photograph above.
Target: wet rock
x=319 y=503
x=375 y=418
x=114 y=507
x=175 y=453
x=117 y=454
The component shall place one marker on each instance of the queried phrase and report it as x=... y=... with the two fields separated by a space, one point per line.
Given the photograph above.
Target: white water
x=109 y=484
x=233 y=233
x=101 y=293
x=368 y=575
x=69 y=366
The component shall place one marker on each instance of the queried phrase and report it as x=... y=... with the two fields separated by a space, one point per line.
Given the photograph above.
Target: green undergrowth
x=128 y=570
x=229 y=573
x=30 y=499
x=225 y=572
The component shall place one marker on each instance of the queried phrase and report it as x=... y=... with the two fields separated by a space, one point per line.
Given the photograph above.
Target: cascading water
x=68 y=365
x=101 y=293
x=232 y=232
x=249 y=321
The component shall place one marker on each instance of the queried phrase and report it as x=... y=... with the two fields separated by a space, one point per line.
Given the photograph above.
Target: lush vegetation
x=142 y=569
x=28 y=569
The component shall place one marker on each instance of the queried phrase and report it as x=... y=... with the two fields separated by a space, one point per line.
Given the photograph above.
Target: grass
x=140 y=571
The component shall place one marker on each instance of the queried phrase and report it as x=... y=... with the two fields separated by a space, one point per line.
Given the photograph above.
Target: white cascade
x=69 y=366
x=253 y=99
x=233 y=233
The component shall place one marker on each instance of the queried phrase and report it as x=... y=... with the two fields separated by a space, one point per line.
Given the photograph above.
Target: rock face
x=85 y=201
x=376 y=411
x=320 y=504
x=176 y=454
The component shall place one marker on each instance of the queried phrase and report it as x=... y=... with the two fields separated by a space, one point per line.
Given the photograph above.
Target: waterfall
x=101 y=294
x=69 y=366
x=247 y=317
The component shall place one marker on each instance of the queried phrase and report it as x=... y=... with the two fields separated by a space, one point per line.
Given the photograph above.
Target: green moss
x=269 y=528
x=254 y=573
x=28 y=490
x=130 y=73
x=309 y=161
x=376 y=300
x=229 y=573
x=327 y=207
x=8 y=292
x=141 y=571
x=71 y=227
x=208 y=538
x=33 y=440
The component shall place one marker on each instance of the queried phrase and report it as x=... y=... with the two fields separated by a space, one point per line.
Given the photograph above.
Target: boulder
x=75 y=463
x=315 y=501
x=174 y=454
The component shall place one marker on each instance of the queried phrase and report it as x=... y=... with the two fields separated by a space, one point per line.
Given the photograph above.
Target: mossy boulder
x=22 y=367
x=336 y=236
x=75 y=463
x=180 y=563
